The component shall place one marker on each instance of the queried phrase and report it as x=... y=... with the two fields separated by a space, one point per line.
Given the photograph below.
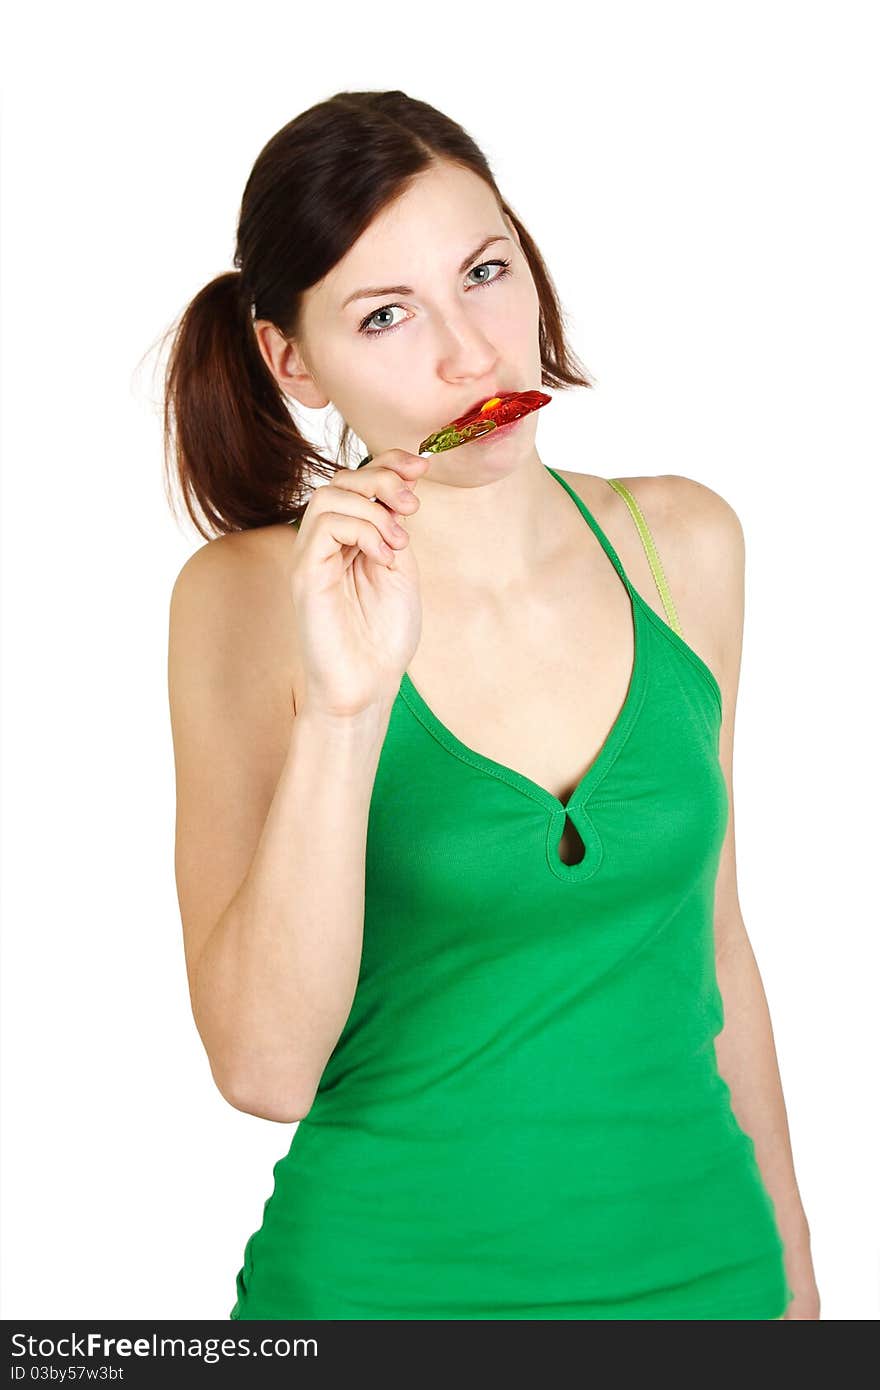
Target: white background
x=701 y=179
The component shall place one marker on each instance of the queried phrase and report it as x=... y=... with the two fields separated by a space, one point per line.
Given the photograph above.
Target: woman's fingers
x=361 y=508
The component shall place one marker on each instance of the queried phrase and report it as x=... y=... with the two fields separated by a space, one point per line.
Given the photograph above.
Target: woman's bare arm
x=272 y=811
x=711 y=552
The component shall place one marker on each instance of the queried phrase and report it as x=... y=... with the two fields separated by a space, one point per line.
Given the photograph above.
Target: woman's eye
x=386 y=327
x=378 y=314
x=487 y=265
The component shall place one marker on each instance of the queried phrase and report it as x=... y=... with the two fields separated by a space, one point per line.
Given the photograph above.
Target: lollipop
x=491 y=415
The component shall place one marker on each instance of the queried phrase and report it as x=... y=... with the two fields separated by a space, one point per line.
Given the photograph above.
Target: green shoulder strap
x=650 y=551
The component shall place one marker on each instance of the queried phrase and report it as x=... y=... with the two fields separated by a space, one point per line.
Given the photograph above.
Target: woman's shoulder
x=699 y=538
x=235 y=591
x=671 y=498
x=261 y=554
x=691 y=524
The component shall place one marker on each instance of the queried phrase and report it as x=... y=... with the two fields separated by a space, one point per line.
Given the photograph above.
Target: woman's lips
x=494 y=412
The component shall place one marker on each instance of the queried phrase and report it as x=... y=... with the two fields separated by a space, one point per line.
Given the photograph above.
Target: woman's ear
x=286 y=363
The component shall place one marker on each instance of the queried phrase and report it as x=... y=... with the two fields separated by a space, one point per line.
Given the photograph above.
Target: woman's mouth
x=487 y=416
x=501 y=429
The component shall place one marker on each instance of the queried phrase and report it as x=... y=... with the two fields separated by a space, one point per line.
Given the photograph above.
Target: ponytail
x=229 y=433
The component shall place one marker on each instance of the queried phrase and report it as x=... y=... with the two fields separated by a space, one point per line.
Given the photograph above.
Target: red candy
x=509 y=408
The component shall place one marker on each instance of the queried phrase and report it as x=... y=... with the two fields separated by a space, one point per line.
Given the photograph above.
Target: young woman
x=455 y=844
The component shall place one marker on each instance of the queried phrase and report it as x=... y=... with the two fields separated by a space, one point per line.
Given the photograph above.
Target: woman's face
x=420 y=320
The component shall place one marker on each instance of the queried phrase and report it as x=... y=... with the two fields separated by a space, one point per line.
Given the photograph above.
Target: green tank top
x=523 y=1116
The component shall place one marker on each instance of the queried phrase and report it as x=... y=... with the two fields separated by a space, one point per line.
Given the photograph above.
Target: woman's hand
x=355 y=586
x=804 y=1307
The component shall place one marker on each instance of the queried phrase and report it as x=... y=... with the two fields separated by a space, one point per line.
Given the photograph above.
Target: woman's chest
x=456 y=838
x=537 y=688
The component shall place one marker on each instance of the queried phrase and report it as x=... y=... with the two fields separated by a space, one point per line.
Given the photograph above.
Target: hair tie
x=244 y=294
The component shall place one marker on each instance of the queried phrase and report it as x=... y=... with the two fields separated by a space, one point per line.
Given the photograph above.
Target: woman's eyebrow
x=373 y=293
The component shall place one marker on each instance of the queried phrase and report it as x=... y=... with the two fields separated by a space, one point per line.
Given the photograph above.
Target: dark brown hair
x=230 y=434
